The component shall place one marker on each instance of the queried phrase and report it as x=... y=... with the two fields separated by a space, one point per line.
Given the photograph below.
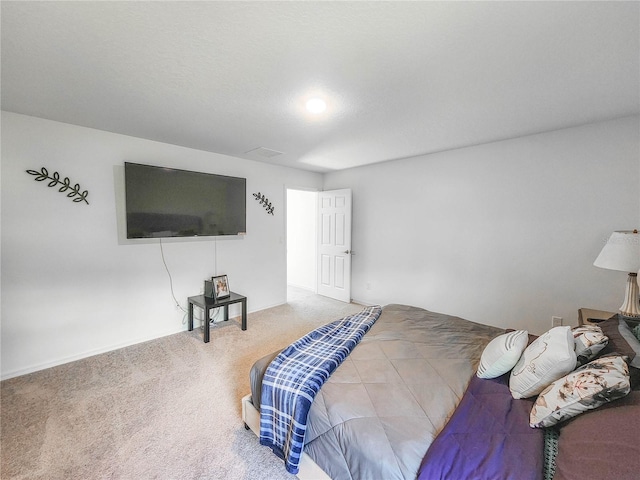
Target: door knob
x=349 y=252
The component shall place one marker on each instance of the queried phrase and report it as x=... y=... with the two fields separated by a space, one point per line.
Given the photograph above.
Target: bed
x=407 y=403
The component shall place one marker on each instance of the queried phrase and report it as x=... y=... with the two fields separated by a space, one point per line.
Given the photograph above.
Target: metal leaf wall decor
x=54 y=180
x=264 y=202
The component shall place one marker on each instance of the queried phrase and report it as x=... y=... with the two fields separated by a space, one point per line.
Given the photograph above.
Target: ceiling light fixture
x=316 y=105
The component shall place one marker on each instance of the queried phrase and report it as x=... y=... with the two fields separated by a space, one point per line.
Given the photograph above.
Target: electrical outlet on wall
x=556 y=321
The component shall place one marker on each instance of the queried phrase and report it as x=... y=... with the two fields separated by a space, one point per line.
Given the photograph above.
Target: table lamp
x=622 y=253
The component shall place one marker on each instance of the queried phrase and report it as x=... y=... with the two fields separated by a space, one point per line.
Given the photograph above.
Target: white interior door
x=334 y=244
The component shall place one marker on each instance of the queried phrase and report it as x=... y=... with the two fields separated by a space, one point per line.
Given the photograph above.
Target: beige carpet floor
x=164 y=409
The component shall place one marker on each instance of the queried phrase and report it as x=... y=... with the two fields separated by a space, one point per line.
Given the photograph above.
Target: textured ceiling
x=400 y=78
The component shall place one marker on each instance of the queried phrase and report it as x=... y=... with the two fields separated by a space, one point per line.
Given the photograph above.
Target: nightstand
x=588 y=316
x=207 y=304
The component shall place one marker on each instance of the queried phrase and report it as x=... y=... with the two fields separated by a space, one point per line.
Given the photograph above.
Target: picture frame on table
x=221 y=288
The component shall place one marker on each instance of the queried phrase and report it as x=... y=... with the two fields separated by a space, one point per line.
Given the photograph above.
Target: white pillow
x=502 y=353
x=594 y=384
x=549 y=357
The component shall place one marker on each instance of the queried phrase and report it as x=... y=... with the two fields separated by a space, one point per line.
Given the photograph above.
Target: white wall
x=301 y=238
x=504 y=233
x=72 y=288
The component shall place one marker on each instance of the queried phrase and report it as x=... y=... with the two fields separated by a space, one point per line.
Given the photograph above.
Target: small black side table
x=207 y=304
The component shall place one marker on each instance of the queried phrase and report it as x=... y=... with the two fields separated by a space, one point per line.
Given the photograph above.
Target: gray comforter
x=380 y=410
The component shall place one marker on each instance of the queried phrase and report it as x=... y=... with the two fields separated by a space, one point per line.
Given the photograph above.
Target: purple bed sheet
x=487 y=437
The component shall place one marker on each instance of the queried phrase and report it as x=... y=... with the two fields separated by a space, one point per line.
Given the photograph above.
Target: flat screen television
x=167 y=202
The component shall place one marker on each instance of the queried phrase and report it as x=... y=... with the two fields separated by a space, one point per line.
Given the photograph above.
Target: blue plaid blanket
x=295 y=376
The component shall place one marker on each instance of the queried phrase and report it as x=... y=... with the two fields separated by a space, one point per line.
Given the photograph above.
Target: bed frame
x=443 y=453
x=309 y=470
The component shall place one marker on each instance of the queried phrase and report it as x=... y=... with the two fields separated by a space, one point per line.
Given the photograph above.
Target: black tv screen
x=166 y=202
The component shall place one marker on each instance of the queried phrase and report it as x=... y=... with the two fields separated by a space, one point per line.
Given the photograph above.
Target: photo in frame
x=221 y=287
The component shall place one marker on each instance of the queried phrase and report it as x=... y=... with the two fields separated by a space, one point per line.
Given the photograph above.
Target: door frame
x=313 y=265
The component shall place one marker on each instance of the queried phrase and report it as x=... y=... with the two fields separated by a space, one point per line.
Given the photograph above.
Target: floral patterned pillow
x=636 y=331
x=586 y=388
x=589 y=341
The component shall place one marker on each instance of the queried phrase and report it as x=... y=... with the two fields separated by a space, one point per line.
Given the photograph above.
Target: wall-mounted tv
x=167 y=202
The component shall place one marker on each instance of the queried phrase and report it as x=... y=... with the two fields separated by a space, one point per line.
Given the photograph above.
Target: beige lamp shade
x=622 y=252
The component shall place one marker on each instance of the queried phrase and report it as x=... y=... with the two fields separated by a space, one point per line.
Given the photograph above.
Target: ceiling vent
x=263 y=152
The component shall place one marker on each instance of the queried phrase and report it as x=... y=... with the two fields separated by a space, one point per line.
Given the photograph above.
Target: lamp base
x=631 y=305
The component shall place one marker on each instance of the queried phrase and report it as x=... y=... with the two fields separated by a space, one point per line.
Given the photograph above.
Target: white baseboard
x=108 y=348
x=80 y=356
